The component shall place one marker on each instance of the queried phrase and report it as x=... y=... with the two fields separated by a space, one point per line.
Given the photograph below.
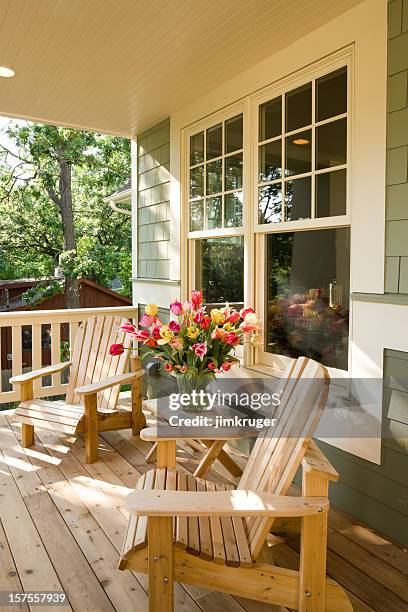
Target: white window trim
x=253 y=232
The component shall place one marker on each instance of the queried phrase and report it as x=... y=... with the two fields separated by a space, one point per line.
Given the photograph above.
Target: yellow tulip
x=166 y=335
x=192 y=332
x=217 y=316
x=151 y=310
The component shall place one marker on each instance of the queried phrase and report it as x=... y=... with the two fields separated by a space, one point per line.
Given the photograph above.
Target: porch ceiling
x=121 y=65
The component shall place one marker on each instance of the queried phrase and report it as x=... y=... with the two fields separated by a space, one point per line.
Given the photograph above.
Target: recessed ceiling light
x=6 y=72
x=301 y=141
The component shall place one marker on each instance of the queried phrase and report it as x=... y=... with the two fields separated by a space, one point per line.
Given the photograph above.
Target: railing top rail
x=64 y=315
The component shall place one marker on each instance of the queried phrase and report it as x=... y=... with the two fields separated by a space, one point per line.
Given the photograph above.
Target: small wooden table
x=211 y=449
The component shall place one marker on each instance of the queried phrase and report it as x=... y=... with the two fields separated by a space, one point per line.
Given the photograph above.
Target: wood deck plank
x=9 y=579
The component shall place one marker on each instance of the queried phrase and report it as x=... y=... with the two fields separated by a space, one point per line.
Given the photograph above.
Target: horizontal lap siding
x=378 y=494
x=396 y=261
x=153 y=215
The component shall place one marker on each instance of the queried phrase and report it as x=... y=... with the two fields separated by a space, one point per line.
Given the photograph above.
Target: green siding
x=396 y=235
x=378 y=494
x=154 y=202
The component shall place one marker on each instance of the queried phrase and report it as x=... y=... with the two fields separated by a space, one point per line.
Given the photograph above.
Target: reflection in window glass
x=233 y=134
x=270 y=161
x=214 y=177
x=233 y=172
x=331 y=144
x=214 y=141
x=270 y=204
x=197 y=149
x=331 y=94
x=220 y=270
x=298 y=199
x=331 y=194
x=299 y=107
x=307 y=302
x=197 y=182
x=233 y=209
x=214 y=212
x=298 y=153
x=196 y=215
x=270 y=119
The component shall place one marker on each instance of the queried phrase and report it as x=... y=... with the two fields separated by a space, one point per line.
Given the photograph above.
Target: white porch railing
x=38 y=320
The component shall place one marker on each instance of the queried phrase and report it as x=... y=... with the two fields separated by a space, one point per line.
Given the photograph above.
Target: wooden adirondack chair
x=195 y=531
x=93 y=389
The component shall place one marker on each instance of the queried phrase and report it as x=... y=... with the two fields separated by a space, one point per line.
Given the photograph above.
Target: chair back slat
x=280 y=450
x=91 y=361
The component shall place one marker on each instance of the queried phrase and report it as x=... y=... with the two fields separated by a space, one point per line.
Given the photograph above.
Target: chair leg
x=138 y=418
x=27 y=435
x=160 y=564
x=313 y=550
x=91 y=429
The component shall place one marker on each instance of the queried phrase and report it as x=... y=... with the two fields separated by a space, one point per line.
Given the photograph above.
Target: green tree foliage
x=48 y=174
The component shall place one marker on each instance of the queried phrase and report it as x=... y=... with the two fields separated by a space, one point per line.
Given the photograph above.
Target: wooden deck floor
x=63 y=522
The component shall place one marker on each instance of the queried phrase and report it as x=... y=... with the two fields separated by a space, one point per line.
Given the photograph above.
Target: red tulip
x=128 y=327
x=196 y=299
x=116 y=349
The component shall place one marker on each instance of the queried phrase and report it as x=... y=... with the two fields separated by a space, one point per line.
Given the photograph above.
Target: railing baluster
x=36 y=352
x=56 y=351
x=16 y=351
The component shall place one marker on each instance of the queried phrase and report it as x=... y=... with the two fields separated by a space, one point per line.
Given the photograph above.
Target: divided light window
x=216 y=176
x=302 y=152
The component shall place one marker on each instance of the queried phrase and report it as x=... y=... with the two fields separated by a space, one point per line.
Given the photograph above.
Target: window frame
x=254 y=233
x=212 y=120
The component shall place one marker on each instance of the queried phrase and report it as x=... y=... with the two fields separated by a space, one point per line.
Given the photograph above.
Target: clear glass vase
x=195 y=388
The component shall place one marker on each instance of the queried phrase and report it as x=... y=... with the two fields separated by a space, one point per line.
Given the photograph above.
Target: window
x=220 y=270
x=216 y=176
x=307 y=295
x=302 y=151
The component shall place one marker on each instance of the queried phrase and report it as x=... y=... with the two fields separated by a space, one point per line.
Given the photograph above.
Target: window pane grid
x=221 y=176
x=291 y=167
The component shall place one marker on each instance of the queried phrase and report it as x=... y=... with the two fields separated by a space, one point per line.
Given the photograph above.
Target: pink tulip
x=141 y=335
x=156 y=332
x=231 y=338
x=226 y=366
x=233 y=318
x=128 y=327
x=176 y=308
x=187 y=306
x=116 y=349
x=146 y=321
x=196 y=299
x=200 y=349
x=244 y=311
x=248 y=327
x=174 y=326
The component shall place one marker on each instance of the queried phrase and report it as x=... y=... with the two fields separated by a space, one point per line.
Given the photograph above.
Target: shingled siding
x=396 y=261
x=154 y=202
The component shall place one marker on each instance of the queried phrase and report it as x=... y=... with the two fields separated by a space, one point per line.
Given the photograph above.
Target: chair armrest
x=316 y=463
x=52 y=369
x=222 y=503
x=166 y=433
x=101 y=385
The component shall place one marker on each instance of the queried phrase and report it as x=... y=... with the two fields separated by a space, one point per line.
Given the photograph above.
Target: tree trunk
x=67 y=215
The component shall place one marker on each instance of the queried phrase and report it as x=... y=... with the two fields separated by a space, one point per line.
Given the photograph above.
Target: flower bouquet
x=194 y=346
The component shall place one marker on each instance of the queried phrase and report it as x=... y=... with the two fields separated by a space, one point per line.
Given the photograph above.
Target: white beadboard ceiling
x=119 y=66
